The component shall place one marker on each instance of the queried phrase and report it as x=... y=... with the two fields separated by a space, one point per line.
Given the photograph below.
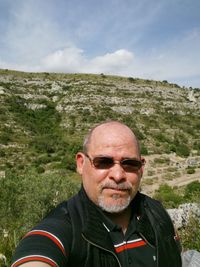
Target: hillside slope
x=45 y=116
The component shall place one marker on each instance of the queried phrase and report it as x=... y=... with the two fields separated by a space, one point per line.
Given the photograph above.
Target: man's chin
x=114 y=205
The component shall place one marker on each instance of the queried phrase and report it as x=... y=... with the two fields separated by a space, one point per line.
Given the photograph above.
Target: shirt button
x=129 y=260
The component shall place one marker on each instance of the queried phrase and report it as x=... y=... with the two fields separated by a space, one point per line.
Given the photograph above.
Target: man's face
x=112 y=189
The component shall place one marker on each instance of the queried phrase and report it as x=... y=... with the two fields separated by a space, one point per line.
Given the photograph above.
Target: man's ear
x=80 y=158
x=142 y=168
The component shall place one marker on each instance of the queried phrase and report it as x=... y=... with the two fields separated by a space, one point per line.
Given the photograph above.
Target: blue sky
x=151 y=39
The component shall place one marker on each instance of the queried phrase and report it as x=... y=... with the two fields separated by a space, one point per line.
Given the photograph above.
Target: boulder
x=181 y=215
x=191 y=258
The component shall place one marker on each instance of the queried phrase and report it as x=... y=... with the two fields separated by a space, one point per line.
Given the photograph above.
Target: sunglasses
x=104 y=163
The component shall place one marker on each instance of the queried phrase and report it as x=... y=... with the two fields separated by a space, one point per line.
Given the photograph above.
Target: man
x=108 y=223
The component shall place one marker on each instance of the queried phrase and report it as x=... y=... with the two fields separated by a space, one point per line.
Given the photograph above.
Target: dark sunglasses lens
x=131 y=165
x=103 y=162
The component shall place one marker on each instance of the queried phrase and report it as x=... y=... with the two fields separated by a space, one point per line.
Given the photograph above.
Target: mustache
x=121 y=186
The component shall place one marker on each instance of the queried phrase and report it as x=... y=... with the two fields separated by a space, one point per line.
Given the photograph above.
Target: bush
x=168 y=196
x=190 y=235
x=172 y=148
x=2 y=153
x=25 y=199
x=183 y=150
x=40 y=169
x=162 y=138
x=190 y=170
x=192 y=192
x=4 y=139
x=131 y=79
x=144 y=150
x=162 y=160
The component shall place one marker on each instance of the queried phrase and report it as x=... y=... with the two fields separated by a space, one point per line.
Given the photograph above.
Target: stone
x=180 y=216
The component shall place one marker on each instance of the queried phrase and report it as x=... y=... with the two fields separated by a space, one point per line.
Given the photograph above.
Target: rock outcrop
x=182 y=214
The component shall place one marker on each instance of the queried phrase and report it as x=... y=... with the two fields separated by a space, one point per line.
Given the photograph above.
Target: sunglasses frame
x=128 y=168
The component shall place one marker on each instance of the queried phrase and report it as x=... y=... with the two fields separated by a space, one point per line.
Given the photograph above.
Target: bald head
x=111 y=142
x=112 y=131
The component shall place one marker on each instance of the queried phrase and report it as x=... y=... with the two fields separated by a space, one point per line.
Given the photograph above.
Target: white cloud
x=37 y=38
x=69 y=59
x=111 y=62
x=113 y=37
x=30 y=33
x=173 y=62
x=176 y=61
x=72 y=59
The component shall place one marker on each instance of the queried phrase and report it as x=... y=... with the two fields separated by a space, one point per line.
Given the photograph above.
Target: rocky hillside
x=45 y=116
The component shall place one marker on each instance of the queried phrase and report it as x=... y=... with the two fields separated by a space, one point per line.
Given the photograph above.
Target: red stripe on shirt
x=50 y=236
x=35 y=258
x=130 y=245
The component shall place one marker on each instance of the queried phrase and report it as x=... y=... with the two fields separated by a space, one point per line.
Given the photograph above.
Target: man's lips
x=116 y=188
x=121 y=190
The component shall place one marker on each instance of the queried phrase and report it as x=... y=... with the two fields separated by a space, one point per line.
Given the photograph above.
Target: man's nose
x=117 y=173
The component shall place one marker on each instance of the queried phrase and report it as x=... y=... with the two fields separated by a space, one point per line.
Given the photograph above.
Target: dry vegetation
x=45 y=116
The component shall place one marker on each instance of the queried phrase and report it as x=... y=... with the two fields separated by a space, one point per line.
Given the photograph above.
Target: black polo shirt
x=132 y=248
x=49 y=242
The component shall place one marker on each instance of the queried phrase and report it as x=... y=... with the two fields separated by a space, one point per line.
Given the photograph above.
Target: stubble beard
x=121 y=204
x=114 y=203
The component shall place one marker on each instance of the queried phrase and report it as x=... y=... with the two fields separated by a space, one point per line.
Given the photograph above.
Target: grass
x=38 y=146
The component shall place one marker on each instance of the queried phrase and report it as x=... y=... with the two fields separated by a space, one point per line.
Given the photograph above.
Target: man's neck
x=122 y=219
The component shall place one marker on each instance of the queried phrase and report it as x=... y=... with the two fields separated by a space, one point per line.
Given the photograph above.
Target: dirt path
x=185 y=179
x=180 y=181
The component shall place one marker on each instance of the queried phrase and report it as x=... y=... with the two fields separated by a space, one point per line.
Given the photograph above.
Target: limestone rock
x=181 y=215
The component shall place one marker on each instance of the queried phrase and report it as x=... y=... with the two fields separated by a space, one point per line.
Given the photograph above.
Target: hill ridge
x=44 y=117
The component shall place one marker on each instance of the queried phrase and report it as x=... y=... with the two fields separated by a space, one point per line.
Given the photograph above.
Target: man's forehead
x=113 y=128
x=112 y=134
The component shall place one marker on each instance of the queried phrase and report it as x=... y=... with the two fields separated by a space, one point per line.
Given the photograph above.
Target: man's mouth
x=116 y=189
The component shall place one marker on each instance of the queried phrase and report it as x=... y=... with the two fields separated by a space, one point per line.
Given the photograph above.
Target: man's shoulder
x=152 y=204
x=59 y=212
x=58 y=219
x=51 y=238
x=149 y=200
x=62 y=210
x=155 y=208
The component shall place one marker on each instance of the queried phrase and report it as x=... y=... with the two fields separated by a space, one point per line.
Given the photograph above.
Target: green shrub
x=172 y=148
x=183 y=150
x=66 y=87
x=144 y=150
x=151 y=172
x=2 y=153
x=190 y=235
x=162 y=160
x=131 y=79
x=190 y=170
x=168 y=196
x=40 y=169
x=162 y=138
x=25 y=199
x=4 y=139
x=192 y=192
